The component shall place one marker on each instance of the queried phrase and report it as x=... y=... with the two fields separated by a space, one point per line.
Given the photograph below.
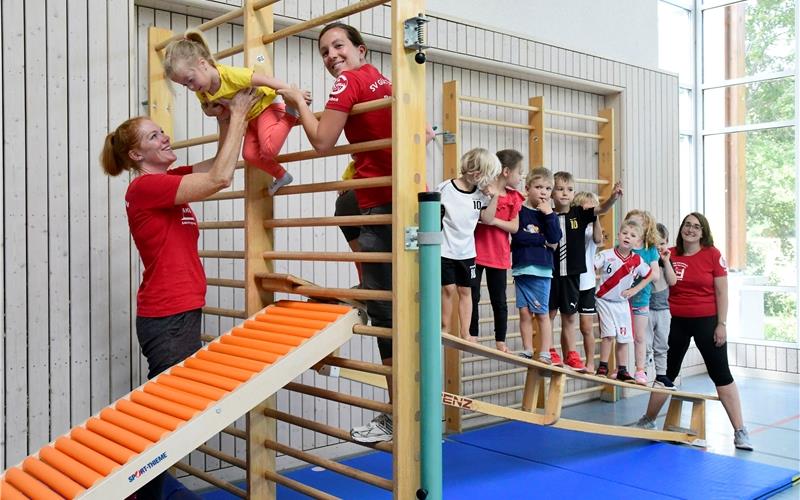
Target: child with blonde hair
x=593 y=236
x=619 y=267
x=189 y=62
x=640 y=303
x=465 y=199
x=660 y=317
x=493 y=252
x=532 y=263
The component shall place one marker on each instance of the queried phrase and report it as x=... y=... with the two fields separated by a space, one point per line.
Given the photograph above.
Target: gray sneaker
x=646 y=423
x=741 y=439
x=379 y=429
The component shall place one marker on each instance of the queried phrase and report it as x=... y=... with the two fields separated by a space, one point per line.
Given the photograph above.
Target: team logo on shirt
x=680 y=269
x=723 y=262
x=339 y=85
x=188 y=217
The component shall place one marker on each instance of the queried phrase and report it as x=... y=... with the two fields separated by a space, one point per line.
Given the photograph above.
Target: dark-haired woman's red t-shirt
x=693 y=295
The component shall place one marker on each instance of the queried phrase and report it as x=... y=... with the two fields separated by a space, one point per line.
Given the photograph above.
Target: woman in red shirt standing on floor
x=344 y=53
x=698 y=302
x=164 y=228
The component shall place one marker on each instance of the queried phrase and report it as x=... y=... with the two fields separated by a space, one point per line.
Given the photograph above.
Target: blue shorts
x=533 y=292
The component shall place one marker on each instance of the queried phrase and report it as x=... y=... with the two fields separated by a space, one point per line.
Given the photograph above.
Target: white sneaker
x=279 y=183
x=646 y=423
x=741 y=439
x=379 y=429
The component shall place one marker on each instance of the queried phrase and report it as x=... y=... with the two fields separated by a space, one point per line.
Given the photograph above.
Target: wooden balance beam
x=534 y=383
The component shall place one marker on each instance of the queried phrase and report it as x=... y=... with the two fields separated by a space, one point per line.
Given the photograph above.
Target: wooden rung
x=233 y=431
x=297 y=486
x=511 y=317
x=496 y=123
x=480 y=376
x=228 y=313
x=221 y=224
x=495 y=392
x=599 y=182
x=346 y=149
x=339 y=397
x=226 y=195
x=598 y=119
x=342 y=293
x=345 y=470
x=373 y=331
x=213 y=452
x=355 y=364
x=223 y=485
x=225 y=282
x=512 y=105
x=572 y=133
x=195 y=141
x=328 y=430
x=221 y=254
x=320 y=187
x=345 y=220
x=330 y=256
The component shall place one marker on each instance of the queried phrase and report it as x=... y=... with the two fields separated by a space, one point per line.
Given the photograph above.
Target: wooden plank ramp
x=115 y=452
x=551 y=413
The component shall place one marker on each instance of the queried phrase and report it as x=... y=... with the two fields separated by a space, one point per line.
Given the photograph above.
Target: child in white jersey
x=586 y=288
x=619 y=267
x=465 y=199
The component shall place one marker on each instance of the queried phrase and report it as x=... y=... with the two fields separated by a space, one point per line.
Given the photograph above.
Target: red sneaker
x=574 y=362
x=555 y=358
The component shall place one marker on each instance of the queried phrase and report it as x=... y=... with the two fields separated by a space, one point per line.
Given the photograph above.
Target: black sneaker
x=602 y=371
x=624 y=376
x=663 y=382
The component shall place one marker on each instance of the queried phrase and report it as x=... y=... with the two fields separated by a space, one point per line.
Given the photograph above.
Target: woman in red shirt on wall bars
x=698 y=300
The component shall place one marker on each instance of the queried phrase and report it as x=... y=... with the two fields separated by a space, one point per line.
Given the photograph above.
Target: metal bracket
x=414 y=32
x=411 y=239
x=448 y=138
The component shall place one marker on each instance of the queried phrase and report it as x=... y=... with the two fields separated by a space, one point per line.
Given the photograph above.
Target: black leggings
x=681 y=330
x=496 y=283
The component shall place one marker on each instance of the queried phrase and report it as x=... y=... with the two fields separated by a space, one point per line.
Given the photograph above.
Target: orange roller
x=176 y=395
x=163 y=405
x=314 y=306
x=228 y=384
x=119 y=435
x=224 y=370
x=148 y=415
x=255 y=344
x=278 y=338
x=303 y=313
x=55 y=480
x=133 y=424
x=266 y=357
x=294 y=331
x=29 y=485
x=8 y=492
x=100 y=444
x=191 y=386
x=285 y=320
x=82 y=474
x=87 y=456
x=247 y=364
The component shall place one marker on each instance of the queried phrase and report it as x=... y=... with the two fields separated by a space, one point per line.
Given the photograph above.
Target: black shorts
x=564 y=294
x=458 y=272
x=168 y=340
x=346 y=204
x=586 y=302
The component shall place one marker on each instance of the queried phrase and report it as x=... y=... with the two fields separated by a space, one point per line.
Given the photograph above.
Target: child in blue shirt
x=532 y=262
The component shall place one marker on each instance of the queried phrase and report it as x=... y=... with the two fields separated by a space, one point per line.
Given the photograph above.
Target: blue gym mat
x=521 y=461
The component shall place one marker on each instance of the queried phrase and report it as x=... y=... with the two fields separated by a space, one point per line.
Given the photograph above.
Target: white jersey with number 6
x=618 y=273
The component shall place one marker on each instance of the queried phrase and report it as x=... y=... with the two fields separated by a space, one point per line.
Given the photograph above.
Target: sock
x=604 y=364
x=622 y=369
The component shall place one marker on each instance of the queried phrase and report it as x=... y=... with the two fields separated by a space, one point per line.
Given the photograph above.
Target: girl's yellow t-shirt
x=232 y=80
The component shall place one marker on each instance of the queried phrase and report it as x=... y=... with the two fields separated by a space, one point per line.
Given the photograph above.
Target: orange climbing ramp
x=118 y=450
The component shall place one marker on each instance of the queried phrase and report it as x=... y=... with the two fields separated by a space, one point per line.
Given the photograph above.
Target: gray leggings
x=658 y=338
